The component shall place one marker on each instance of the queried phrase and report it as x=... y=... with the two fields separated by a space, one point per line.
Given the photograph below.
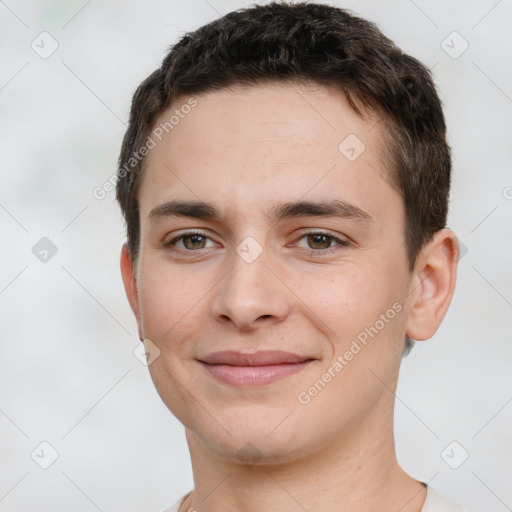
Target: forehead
x=244 y=146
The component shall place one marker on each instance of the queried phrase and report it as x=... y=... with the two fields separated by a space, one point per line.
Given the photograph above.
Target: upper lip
x=261 y=358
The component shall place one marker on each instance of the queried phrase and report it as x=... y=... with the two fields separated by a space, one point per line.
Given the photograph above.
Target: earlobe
x=433 y=285
x=130 y=284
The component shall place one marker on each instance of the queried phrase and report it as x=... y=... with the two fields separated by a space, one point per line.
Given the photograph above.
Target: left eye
x=321 y=241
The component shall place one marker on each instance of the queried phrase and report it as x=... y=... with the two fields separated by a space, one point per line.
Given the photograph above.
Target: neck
x=356 y=471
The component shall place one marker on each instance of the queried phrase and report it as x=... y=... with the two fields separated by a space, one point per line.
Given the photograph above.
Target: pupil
x=194 y=239
x=317 y=239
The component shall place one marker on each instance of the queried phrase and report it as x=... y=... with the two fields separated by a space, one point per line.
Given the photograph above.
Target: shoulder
x=176 y=506
x=436 y=502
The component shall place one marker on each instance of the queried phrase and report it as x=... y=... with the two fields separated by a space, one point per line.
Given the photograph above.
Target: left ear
x=432 y=285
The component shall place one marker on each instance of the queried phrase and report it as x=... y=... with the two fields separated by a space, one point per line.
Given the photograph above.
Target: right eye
x=192 y=241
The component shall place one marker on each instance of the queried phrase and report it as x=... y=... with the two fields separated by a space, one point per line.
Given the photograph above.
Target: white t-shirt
x=434 y=502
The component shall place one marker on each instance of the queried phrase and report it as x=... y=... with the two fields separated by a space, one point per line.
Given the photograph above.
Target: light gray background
x=68 y=375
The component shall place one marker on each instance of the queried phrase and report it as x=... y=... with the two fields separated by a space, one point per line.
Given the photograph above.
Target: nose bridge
x=250 y=291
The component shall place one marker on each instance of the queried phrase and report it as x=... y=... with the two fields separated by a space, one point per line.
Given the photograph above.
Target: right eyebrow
x=192 y=209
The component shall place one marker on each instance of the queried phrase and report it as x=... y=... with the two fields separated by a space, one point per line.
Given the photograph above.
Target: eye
x=192 y=241
x=320 y=242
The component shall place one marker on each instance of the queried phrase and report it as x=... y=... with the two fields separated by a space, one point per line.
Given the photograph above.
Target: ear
x=130 y=284
x=433 y=285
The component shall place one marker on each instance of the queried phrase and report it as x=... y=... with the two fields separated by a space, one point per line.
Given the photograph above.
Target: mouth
x=256 y=369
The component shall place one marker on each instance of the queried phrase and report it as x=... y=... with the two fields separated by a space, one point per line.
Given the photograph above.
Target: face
x=300 y=249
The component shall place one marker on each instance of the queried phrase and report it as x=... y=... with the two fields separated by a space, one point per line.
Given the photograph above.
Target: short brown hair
x=307 y=43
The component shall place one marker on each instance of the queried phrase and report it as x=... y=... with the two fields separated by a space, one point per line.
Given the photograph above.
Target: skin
x=247 y=149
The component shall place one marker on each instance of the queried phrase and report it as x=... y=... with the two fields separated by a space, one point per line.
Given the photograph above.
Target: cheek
x=167 y=299
x=171 y=310
x=362 y=308
x=351 y=298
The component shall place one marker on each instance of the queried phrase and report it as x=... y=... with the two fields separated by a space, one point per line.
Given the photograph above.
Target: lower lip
x=253 y=375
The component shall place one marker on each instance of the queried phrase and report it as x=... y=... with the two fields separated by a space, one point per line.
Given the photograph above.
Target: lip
x=254 y=369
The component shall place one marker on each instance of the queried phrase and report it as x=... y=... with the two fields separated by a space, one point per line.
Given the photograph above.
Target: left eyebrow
x=334 y=208
x=208 y=211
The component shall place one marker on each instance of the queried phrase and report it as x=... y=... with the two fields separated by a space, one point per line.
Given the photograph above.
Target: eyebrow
x=208 y=211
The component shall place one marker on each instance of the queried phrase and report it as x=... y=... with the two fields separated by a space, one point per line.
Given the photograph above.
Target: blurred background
x=81 y=425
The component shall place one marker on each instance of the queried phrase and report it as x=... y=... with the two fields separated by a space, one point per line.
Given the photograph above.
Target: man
x=285 y=179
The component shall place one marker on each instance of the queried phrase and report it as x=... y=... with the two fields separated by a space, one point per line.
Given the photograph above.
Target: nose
x=251 y=295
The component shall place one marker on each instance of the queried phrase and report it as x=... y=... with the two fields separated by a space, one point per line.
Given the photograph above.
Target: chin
x=261 y=452
x=251 y=439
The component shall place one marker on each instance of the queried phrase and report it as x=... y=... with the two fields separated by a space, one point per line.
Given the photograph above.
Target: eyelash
x=340 y=242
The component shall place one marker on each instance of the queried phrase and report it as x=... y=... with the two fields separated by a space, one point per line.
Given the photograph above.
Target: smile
x=260 y=368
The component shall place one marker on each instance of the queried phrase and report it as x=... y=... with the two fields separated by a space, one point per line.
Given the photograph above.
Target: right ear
x=130 y=284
